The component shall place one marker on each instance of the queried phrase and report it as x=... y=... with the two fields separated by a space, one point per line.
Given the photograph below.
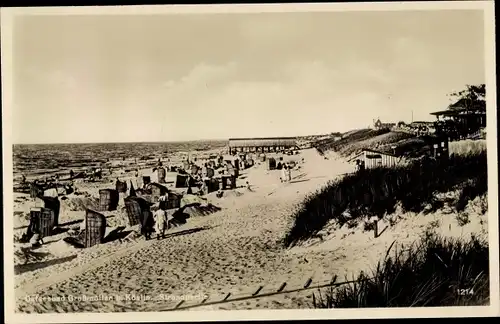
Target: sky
x=104 y=78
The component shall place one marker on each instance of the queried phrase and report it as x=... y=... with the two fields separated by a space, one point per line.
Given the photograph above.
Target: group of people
x=286 y=173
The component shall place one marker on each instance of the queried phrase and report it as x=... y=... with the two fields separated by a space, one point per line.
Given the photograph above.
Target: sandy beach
x=235 y=250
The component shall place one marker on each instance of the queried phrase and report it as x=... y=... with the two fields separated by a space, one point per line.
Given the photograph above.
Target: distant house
x=374 y=159
x=273 y=144
x=378 y=125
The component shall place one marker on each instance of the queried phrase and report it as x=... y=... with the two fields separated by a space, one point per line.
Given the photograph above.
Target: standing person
x=147 y=225
x=23 y=178
x=56 y=184
x=358 y=165
x=163 y=201
x=160 y=218
x=289 y=173
x=284 y=173
x=137 y=183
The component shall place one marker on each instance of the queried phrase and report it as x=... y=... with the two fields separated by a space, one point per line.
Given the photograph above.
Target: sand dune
x=235 y=249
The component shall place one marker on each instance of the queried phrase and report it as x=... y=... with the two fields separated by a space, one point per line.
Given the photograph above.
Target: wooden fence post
x=257 y=291
x=282 y=287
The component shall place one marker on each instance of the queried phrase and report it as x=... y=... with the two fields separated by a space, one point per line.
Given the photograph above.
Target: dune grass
x=435 y=272
x=466 y=147
x=376 y=142
x=376 y=192
x=348 y=139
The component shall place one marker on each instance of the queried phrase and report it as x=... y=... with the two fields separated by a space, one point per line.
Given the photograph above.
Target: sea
x=37 y=159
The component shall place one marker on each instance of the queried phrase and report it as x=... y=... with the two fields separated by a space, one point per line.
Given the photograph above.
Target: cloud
x=210 y=95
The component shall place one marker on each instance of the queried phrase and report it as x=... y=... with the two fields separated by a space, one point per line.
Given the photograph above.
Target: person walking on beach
x=289 y=173
x=137 y=182
x=284 y=173
x=147 y=225
x=160 y=217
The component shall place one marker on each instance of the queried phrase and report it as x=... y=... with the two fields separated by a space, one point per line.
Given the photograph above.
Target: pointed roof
x=469 y=104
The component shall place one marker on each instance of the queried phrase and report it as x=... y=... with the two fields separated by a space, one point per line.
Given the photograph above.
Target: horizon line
x=168 y=141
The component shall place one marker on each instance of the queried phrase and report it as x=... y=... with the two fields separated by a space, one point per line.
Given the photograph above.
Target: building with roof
x=269 y=144
x=462 y=118
x=399 y=154
x=374 y=159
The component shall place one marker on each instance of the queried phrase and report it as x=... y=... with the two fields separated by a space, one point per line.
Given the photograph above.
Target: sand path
x=235 y=250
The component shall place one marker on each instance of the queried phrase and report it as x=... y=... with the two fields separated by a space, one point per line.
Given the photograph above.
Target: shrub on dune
x=435 y=272
x=376 y=192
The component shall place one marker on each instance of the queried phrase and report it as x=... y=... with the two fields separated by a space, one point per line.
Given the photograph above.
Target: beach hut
x=173 y=200
x=181 y=181
x=231 y=170
x=212 y=185
x=210 y=173
x=194 y=169
x=95 y=228
x=53 y=204
x=35 y=190
x=121 y=186
x=157 y=190
x=374 y=159
x=228 y=182
x=161 y=175
x=135 y=207
x=224 y=182
x=108 y=199
x=146 y=180
x=41 y=221
x=271 y=163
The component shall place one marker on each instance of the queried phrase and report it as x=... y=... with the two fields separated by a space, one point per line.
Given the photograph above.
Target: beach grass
x=436 y=271
x=375 y=142
x=466 y=147
x=377 y=192
x=348 y=139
